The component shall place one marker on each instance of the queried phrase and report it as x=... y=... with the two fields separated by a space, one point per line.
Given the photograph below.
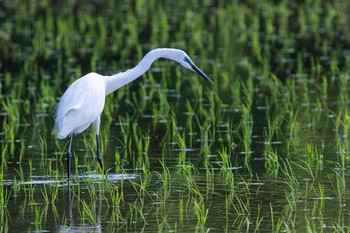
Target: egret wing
x=80 y=105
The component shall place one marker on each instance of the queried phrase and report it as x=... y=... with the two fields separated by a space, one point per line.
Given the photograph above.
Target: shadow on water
x=75 y=179
x=84 y=192
x=72 y=226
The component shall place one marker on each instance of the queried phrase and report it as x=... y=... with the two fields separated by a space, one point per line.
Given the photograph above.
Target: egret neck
x=116 y=81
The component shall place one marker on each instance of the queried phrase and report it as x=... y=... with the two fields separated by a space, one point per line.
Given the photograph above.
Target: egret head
x=188 y=63
x=184 y=60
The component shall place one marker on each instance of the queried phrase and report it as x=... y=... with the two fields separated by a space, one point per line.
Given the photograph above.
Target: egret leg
x=99 y=157
x=69 y=156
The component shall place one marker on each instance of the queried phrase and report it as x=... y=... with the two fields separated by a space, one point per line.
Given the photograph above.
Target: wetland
x=263 y=149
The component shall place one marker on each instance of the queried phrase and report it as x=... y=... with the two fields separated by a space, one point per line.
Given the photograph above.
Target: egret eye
x=188 y=60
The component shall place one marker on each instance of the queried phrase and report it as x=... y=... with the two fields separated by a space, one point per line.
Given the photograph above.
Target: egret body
x=82 y=103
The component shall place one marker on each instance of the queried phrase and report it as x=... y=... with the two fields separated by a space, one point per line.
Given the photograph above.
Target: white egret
x=83 y=101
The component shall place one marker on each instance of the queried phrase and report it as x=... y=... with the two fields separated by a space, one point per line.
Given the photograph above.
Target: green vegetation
x=264 y=149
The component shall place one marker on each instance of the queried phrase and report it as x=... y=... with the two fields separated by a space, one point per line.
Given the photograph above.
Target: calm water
x=165 y=187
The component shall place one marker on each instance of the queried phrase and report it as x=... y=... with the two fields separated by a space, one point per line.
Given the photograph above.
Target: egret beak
x=201 y=73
